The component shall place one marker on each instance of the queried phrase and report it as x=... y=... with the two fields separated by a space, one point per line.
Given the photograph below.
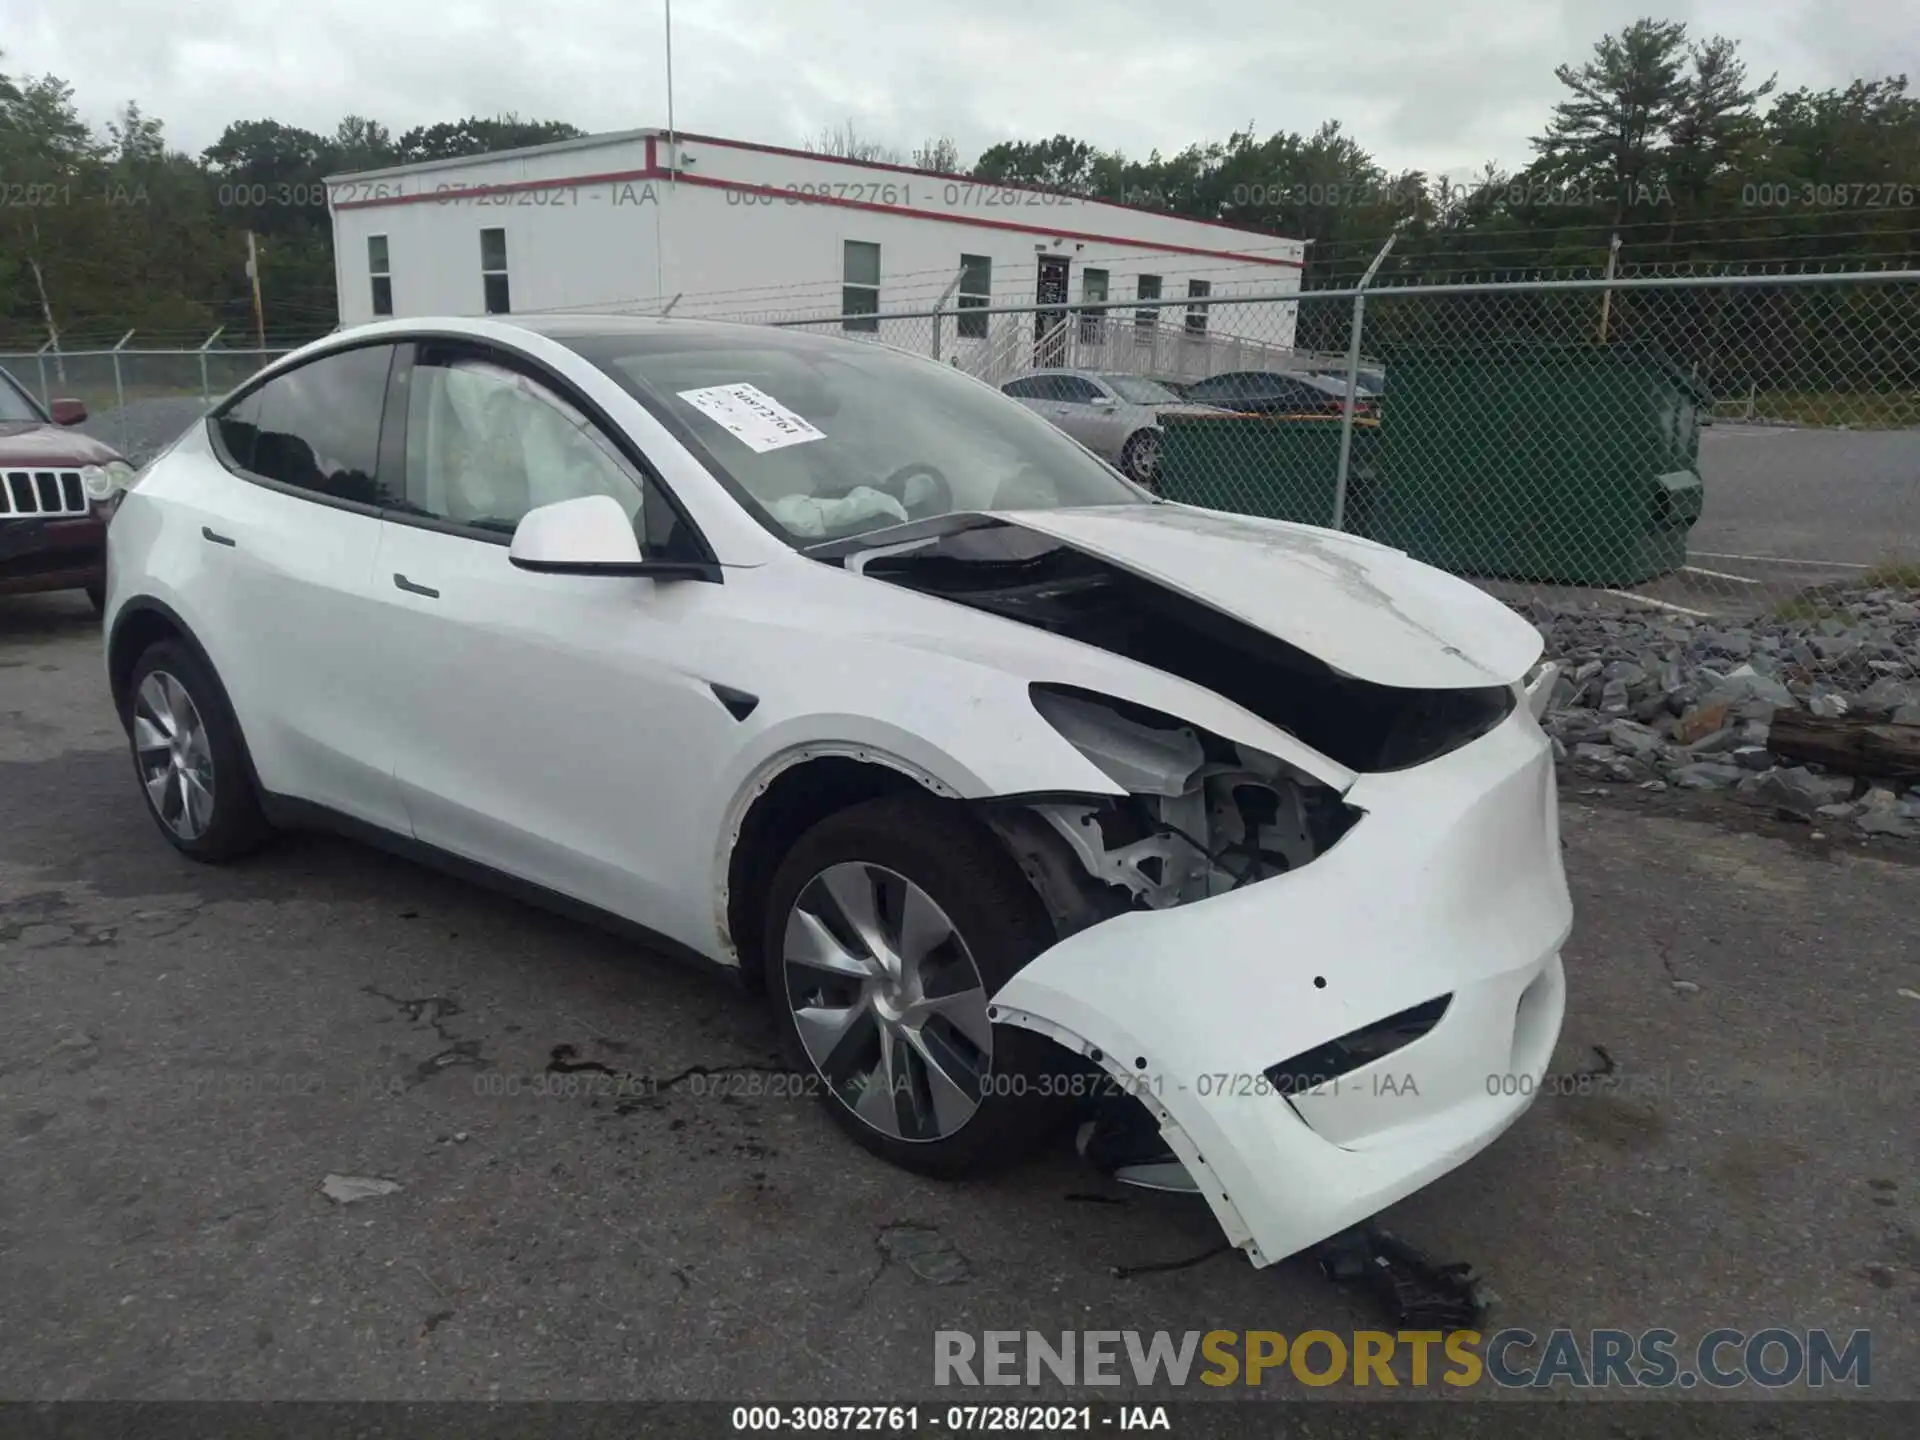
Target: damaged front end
x=1325 y=979
x=1202 y=815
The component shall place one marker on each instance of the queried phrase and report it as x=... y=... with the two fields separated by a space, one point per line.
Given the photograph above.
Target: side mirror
x=68 y=412
x=591 y=536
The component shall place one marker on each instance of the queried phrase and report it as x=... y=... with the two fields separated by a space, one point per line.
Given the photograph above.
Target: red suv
x=57 y=487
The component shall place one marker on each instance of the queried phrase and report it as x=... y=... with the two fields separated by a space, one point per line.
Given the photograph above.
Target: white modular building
x=701 y=226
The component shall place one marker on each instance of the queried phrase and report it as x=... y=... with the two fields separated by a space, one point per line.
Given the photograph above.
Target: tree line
x=1660 y=139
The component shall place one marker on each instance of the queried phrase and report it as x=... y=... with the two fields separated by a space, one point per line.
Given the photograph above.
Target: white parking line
x=1721 y=575
x=1660 y=604
x=1781 y=560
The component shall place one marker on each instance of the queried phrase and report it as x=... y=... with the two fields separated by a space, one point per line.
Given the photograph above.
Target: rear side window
x=316 y=428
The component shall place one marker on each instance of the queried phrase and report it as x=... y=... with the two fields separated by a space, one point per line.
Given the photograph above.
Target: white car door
x=288 y=542
x=558 y=728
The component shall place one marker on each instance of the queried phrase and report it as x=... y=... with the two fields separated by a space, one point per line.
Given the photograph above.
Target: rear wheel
x=187 y=753
x=890 y=925
x=1140 y=457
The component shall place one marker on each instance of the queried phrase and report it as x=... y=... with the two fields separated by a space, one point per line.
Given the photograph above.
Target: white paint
x=1451 y=884
x=562 y=729
x=1659 y=604
x=1367 y=610
x=592 y=232
x=752 y=416
x=1782 y=560
x=1721 y=575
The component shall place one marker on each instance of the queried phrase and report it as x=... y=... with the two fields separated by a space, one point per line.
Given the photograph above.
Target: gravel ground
x=1657 y=699
x=187 y=1054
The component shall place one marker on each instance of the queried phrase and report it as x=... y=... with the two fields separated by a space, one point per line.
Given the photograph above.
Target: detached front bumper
x=1451 y=884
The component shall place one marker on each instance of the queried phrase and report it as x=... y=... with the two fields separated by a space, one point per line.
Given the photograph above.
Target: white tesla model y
x=827 y=662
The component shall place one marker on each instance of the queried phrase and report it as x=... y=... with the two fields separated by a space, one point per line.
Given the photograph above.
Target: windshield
x=827 y=438
x=1136 y=390
x=15 y=408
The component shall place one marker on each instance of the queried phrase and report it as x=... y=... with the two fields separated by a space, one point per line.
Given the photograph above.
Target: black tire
x=97 y=597
x=995 y=911
x=1140 y=458
x=235 y=825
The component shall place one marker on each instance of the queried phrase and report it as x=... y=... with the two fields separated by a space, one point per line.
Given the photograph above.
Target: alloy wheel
x=888 y=1001
x=1146 y=458
x=176 y=761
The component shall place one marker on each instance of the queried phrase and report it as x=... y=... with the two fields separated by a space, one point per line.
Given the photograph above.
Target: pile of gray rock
x=1665 y=700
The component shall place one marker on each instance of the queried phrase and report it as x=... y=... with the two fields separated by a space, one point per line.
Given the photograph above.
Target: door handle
x=413 y=589
x=207 y=532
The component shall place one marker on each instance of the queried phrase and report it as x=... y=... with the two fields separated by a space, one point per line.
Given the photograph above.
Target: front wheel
x=889 y=927
x=1140 y=458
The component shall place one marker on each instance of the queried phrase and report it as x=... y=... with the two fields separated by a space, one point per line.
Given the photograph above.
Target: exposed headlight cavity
x=1202 y=816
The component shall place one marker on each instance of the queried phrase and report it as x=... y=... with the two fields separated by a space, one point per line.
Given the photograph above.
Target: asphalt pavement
x=187 y=1053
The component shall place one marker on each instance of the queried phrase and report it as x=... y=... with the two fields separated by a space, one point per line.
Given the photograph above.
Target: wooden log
x=1848 y=744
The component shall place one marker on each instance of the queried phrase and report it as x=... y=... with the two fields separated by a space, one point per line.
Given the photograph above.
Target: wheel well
x=796 y=801
x=132 y=637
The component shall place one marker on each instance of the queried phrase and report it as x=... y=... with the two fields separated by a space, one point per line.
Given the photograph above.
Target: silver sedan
x=1115 y=416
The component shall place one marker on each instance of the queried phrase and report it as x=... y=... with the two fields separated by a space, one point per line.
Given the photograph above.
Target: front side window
x=486 y=444
x=380 y=275
x=976 y=293
x=822 y=439
x=860 y=285
x=316 y=428
x=493 y=272
x=15 y=407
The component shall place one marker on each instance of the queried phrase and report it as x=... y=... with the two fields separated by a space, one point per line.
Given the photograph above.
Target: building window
x=1197 y=314
x=379 y=273
x=493 y=271
x=1093 y=297
x=976 y=293
x=1146 y=321
x=860 y=285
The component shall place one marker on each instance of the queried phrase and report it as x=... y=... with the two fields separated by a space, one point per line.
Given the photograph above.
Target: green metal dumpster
x=1566 y=464
x=1281 y=466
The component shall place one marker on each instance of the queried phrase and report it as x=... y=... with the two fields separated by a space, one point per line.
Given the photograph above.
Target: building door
x=1050 y=326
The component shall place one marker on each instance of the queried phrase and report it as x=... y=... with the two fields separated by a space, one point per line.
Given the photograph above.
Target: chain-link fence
x=1712 y=443
x=137 y=400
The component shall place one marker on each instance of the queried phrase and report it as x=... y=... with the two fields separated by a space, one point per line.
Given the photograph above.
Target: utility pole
x=253 y=274
x=46 y=310
x=1606 y=296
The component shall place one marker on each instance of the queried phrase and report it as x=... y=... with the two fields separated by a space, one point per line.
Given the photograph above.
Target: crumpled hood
x=1366 y=610
x=24 y=443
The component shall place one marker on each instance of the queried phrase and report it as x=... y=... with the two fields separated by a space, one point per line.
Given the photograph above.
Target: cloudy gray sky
x=1446 y=87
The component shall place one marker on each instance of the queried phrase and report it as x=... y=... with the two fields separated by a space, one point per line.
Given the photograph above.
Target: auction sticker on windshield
x=752 y=416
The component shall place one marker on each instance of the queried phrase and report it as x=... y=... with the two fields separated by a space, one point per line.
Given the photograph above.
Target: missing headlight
x=1203 y=815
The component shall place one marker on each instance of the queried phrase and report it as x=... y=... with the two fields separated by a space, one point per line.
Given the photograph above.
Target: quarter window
x=860 y=285
x=493 y=272
x=316 y=428
x=380 y=275
x=976 y=293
